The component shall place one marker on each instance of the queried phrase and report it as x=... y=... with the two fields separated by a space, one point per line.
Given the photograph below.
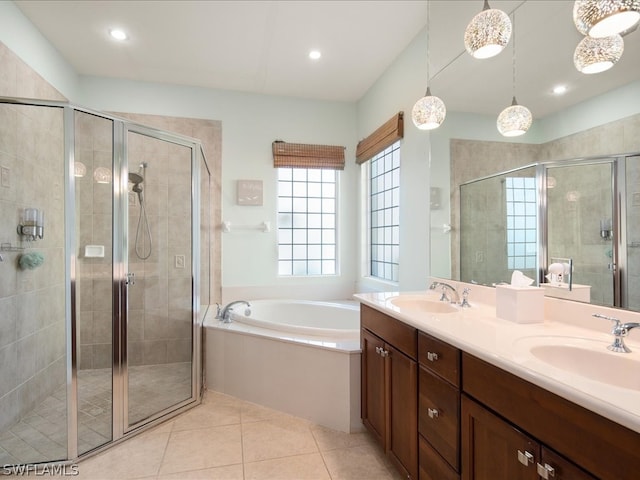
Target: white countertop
x=505 y=344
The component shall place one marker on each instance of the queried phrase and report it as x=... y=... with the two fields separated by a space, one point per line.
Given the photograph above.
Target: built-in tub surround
x=271 y=363
x=508 y=345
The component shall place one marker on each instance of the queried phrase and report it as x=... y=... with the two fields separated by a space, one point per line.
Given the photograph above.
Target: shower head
x=135 y=178
x=138 y=178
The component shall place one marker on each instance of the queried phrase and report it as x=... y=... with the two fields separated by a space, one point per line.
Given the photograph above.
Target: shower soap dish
x=94 y=251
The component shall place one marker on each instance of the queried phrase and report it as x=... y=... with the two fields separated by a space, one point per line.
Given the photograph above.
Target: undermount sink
x=592 y=360
x=423 y=304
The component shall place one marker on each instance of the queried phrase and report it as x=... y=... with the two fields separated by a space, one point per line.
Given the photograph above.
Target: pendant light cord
x=513 y=21
x=428 y=46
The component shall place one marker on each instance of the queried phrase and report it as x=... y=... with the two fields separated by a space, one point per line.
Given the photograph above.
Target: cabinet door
x=494 y=450
x=432 y=465
x=439 y=415
x=554 y=467
x=373 y=386
x=402 y=436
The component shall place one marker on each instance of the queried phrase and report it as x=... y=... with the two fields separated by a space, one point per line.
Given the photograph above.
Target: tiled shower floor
x=42 y=435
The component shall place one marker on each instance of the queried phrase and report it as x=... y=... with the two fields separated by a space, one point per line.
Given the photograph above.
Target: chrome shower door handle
x=131 y=279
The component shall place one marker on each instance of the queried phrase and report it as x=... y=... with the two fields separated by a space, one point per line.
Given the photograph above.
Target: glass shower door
x=630 y=269
x=159 y=332
x=93 y=166
x=580 y=224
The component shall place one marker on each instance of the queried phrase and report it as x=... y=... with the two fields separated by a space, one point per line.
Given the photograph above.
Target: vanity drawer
x=432 y=466
x=439 y=416
x=439 y=357
x=394 y=332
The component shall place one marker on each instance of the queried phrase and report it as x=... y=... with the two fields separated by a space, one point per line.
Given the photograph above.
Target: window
x=521 y=222
x=384 y=213
x=307 y=221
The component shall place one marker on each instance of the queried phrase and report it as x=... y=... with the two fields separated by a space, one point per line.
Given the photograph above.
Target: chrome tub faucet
x=224 y=313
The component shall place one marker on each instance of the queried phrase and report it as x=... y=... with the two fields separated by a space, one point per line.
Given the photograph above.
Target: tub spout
x=224 y=313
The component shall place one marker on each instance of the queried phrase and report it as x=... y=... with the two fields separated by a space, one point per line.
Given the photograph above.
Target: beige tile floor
x=226 y=438
x=42 y=435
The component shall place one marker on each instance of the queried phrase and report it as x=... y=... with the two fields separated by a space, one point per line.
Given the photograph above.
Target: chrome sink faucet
x=454 y=297
x=224 y=313
x=619 y=331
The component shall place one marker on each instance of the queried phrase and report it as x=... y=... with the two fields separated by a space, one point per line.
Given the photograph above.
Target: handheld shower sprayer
x=143 y=223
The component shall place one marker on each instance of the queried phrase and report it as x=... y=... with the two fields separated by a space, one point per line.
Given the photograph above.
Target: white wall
x=397 y=90
x=20 y=35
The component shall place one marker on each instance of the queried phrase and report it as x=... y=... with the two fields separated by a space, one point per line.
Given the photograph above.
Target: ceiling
x=262 y=47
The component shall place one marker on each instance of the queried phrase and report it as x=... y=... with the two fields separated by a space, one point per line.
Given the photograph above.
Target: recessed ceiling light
x=560 y=89
x=315 y=54
x=118 y=34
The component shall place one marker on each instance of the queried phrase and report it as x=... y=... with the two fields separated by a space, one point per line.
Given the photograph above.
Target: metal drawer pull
x=433 y=413
x=546 y=472
x=525 y=458
x=432 y=356
x=378 y=350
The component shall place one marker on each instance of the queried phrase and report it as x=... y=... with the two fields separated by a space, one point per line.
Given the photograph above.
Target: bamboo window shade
x=301 y=155
x=387 y=134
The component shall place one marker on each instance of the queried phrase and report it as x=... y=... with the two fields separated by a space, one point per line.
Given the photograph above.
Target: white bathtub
x=338 y=320
x=299 y=357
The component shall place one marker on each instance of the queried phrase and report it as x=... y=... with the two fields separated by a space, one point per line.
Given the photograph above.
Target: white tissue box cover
x=520 y=304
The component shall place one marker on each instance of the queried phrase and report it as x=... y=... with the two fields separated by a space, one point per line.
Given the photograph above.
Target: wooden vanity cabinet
x=443 y=414
x=494 y=450
x=577 y=443
x=438 y=408
x=389 y=376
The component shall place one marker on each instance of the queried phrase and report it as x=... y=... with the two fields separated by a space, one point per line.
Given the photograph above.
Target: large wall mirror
x=583 y=145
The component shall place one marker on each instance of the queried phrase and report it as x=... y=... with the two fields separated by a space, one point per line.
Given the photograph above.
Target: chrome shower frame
x=120 y=426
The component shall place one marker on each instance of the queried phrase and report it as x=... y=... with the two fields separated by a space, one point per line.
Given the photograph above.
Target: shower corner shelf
x=7 y=247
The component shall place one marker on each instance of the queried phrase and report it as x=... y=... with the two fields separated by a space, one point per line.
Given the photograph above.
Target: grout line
x=324 y=462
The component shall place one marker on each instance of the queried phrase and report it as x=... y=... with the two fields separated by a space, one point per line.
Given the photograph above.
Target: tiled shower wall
x=32 y=327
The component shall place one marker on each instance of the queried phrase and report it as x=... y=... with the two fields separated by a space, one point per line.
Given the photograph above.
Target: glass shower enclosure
x=102 y=296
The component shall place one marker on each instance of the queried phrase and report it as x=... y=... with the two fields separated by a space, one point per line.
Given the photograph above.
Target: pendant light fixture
x=595 y=55
x=516 y=119
x=603 y=18
x=488 y=32
x=429 y=111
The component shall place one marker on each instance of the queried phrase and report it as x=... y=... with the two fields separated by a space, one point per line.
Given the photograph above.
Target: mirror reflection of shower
x=143 y=223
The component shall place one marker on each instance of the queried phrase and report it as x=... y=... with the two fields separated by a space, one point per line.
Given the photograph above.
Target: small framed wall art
x=249 y=192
